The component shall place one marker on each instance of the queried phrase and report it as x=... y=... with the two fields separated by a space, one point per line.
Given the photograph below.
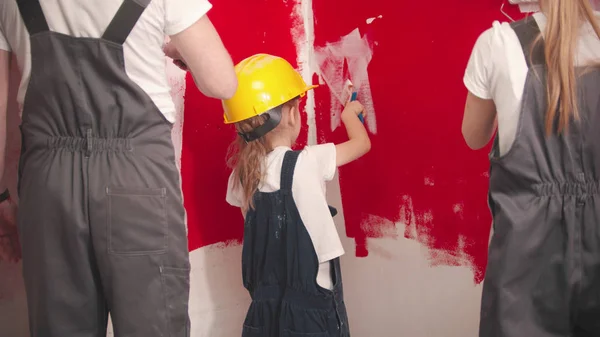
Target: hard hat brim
x=267 y=108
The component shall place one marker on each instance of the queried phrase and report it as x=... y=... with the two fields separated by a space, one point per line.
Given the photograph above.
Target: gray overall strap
x=528 y=31
x=287 y=171
x=127 y=16
x=33 y=16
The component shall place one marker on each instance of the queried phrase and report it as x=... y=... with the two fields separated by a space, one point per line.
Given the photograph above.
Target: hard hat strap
x=273 y=120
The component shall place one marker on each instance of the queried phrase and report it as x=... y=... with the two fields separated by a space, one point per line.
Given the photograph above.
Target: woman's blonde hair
x=247 y=159
x=565 y=19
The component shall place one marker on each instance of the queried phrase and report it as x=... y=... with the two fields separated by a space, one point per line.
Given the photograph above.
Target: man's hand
x=172 y=52
x=10 y=246
x=199 y=48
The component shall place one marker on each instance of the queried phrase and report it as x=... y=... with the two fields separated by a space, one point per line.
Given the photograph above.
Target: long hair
x=247 y=159
x=565 y=20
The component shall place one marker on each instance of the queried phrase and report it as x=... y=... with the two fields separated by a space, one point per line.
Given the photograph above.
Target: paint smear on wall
x=304 y=39
x=347 y=58
x=419 y=175
x=419 y=168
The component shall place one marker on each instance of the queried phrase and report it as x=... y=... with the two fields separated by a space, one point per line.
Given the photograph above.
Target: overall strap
x=528 y=31
x=287 y=170
x=33 y=16
x=127 y=16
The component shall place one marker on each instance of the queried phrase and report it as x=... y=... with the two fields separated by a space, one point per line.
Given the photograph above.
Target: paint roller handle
x=360 y=116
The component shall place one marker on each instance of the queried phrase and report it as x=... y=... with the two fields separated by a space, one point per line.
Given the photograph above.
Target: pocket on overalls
x=302 y=322
x=137 y=221
x=176 y=287
x=289 y=333
x=250 y=331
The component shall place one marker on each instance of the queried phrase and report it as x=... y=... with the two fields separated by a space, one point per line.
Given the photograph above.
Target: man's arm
x=5 y=58
x=203 y=52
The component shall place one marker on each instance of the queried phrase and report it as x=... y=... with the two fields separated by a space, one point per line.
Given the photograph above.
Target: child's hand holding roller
x=353 y=108
x=359 y=142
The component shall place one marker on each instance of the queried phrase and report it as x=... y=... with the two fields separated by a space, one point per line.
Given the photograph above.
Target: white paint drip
x=407 y=224
x=458 y=208
x=370 y=20
x=357 y=53
x=303 y=33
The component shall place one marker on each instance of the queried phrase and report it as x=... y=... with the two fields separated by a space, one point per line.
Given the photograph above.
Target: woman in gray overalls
x=543 y=275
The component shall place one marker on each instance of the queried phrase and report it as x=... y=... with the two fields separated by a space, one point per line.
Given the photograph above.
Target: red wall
x=419 y=170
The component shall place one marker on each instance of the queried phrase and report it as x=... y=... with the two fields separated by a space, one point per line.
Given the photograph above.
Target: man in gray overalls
x=543 y=276
x=101 y=215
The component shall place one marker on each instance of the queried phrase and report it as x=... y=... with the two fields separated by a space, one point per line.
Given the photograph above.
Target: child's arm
x=234 y=197
x=358 y=143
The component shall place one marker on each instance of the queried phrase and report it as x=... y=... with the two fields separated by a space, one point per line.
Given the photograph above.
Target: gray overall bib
x=279 y=267
x=101 y=215
x=543 y=275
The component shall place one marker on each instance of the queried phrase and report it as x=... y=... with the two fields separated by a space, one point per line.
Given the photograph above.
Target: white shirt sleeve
x=3 y=42
x=316 y=164
x=181 y=14
x=477 y=75
x=234 y=195
x=324 y=156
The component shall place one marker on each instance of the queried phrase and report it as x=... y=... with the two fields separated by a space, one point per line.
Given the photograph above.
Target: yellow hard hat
x=264 y=82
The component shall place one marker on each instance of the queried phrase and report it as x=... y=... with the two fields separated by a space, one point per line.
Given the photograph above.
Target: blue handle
x=360 y=116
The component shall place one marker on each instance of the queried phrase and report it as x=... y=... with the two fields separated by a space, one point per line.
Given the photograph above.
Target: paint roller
x=348 y=95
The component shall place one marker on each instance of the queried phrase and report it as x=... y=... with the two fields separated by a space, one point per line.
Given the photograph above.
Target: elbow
x=223 y=90
x=229 y=88
x=366 y=146
x=473 y=143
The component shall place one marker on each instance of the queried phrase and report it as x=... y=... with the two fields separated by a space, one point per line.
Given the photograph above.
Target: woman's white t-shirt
x=145 y=61
x=316 y=165
x=497 y=70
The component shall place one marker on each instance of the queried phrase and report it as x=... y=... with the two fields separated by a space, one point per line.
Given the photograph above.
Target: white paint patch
x=303 y=34
x=370 y=20
x=429 y=181
x=397 y=292
x=458 y=208
x=356 y=52
x=218 y=300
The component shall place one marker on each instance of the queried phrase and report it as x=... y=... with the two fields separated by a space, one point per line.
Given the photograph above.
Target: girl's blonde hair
x=247 y=159
x=565 y=19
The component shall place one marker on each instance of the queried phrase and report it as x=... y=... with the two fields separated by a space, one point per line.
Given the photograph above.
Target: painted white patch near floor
x=394 y=292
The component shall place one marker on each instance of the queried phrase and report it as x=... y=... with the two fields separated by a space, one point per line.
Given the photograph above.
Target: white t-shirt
x=144 y=59
x=497 y=70
x=316 y=165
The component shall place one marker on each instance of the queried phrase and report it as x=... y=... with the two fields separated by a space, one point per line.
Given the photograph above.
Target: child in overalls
x=290 y=259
